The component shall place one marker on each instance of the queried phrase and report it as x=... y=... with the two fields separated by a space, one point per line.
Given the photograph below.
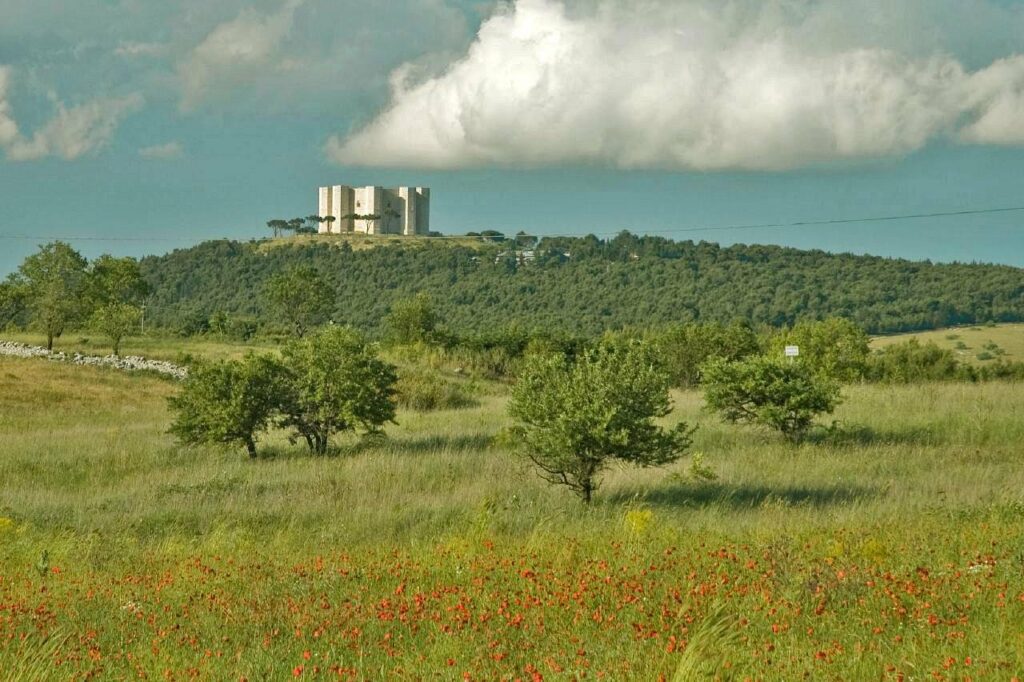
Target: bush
x=912 y=361
x=684 y=349
x=411 y=321
x=574 y=417
x=423 y=391
x=836 y=348
x=782 y=395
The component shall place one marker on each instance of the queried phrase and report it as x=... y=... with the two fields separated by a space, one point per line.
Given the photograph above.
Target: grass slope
x=969 y=342
x=890 y=546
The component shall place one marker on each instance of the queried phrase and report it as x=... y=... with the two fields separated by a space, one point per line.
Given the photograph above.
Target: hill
x=586 y=285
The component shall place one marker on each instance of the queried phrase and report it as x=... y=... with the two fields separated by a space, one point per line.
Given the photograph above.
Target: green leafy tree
x=116 y=321
x=116 y=288
x=776 y=393
x=300 y=297
x=117 y=280
x=835 y=347
x=335 y=383
x=55 y=286
x=411 y=321
x=575 y=417
x=228 y=402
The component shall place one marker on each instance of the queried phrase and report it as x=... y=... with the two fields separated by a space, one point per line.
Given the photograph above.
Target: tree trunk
x=250 y=446
x=588 y=491
x=49 y=341
x=117 y=348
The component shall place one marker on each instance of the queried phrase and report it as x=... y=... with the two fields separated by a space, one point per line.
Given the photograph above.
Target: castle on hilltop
x=375 y=210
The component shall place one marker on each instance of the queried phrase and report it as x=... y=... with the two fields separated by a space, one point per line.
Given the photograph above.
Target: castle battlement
x=375 y=210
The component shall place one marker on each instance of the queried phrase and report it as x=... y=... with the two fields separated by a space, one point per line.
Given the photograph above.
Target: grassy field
x=1004 y=340
x=890 y=547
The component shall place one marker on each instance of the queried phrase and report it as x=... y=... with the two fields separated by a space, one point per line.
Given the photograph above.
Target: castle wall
x=401 y=210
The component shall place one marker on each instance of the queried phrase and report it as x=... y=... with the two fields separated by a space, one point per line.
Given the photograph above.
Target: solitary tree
x=116 y=321
x=300 y=297
x=335 y=383
x=116 y=289
x=330 y=220
x=227 y=402
x=575 y=417
x=55 y=286
x=772 y=392
x=368 y=218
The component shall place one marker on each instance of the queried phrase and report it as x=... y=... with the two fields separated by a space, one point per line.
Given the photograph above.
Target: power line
x=679 y=230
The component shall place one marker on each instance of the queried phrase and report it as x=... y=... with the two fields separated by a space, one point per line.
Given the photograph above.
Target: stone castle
x=375 y=210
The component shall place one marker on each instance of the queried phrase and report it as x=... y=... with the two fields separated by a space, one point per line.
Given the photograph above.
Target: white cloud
x=693 y=84
x=171 y=150
x=8 y=127
x=235 y=52
x=997 y=95
x=71 y=133
x=131 y=50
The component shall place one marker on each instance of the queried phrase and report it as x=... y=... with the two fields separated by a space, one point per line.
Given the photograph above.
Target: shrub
x=684 y=349
x=423 y=391
x=411 y=321
x=836 y=347
x=575 y=416
x=776 y=393
x=912 y=361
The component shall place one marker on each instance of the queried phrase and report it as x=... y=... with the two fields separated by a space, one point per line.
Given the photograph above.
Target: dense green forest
x=586 y=285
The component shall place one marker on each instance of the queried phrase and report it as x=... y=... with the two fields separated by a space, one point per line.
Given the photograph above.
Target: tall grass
x=906 y=477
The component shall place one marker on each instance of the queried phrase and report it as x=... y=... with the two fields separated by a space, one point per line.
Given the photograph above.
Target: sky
x=136 y=126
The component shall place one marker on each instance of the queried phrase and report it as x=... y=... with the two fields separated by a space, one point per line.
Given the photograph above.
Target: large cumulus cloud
x=696 y=84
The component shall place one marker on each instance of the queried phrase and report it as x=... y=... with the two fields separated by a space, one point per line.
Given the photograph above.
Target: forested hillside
x=587 y=285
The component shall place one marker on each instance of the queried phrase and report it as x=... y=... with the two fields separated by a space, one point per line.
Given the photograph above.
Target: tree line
x=57 y=289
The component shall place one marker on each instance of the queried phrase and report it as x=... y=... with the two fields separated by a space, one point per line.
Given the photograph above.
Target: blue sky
x=160 y=124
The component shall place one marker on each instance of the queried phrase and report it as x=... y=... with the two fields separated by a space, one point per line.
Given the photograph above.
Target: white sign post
x=792 y=352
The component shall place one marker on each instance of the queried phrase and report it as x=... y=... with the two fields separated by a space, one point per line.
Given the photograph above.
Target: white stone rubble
x=126 y=363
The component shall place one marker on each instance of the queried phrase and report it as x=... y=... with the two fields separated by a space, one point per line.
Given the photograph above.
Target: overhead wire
x=673 y=231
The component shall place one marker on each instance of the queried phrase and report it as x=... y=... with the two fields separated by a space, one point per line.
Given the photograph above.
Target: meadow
x=968 y=343
x=888 y=546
